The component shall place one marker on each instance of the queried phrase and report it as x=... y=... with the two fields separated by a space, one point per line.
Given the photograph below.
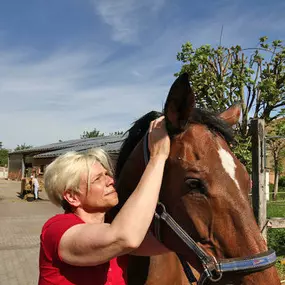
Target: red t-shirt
x=54 y=271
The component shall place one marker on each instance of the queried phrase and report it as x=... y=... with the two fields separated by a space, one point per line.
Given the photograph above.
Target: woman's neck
x=90 y=218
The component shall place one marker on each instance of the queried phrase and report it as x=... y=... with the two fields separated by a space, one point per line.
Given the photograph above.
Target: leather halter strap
x=213 y=269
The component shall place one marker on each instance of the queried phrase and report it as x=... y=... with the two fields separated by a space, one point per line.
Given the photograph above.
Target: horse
x=204 y=215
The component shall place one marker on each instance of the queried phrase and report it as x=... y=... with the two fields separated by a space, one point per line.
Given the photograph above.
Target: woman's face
x=102 y=195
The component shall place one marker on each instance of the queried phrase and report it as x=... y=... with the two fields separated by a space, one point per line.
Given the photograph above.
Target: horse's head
x=205 y=187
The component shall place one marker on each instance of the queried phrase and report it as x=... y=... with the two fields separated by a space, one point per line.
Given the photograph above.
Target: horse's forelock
x=213 y=122
x=207 y=118
x=140 y=127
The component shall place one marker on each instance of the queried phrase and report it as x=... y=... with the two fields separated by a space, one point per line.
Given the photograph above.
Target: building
x=23 y=163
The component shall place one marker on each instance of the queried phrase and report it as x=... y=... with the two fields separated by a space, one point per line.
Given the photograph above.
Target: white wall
x=3 y=172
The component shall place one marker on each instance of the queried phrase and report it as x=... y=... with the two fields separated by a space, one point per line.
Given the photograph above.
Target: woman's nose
x=109 y=180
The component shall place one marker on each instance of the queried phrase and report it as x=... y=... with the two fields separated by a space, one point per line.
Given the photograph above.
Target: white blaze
x=228 y=164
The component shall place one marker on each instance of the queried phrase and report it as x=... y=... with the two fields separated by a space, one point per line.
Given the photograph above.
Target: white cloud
x=127 y=18
x=240 y=25
x=59 y=95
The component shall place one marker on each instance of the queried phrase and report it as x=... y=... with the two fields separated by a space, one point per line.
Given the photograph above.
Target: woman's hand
x=158 y=139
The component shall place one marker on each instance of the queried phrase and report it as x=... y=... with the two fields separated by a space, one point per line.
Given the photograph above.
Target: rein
x=213 y=269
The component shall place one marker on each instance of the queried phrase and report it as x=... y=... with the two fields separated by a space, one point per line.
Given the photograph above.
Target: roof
x=110 y=147
x=110 y=144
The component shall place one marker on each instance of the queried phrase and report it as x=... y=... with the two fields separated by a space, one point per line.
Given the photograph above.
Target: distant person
x=35 y=187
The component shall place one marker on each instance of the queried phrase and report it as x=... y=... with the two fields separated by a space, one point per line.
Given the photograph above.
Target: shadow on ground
x=29 y=197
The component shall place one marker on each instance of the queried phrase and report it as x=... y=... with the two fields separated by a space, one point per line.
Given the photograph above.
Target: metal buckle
x=213 y=270
x=160 y=209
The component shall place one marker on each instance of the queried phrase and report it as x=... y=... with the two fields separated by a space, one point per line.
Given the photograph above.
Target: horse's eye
x=194 y=184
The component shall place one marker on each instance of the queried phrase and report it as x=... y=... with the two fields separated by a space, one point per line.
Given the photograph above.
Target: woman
x=78 y=247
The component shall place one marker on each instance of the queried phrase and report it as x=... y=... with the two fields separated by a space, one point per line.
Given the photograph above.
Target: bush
x=281 y=182
x=276 y=240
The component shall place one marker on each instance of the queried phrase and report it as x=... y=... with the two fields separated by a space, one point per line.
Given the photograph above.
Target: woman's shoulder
x=62 y=219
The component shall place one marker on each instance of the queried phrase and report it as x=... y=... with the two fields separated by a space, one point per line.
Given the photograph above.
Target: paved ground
x=20 y=227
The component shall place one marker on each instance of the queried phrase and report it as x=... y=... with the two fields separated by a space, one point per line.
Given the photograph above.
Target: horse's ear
x=231 y=115
x=180 y=102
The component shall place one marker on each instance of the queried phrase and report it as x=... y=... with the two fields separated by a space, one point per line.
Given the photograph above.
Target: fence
x=259 y=200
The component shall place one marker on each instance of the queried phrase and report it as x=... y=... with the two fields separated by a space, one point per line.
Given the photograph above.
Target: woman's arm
x=92 y=244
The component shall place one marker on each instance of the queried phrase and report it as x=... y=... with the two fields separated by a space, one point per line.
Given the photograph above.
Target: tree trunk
x=276 y=179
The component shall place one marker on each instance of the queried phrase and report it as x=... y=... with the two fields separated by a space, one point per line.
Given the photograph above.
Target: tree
x=118 y=133
x=223 y=76
x=276 y=146
x=4 y=157
x=22 y=147
x=93 y=134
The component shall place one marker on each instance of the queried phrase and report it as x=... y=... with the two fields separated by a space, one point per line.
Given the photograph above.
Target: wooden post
x=258 y=174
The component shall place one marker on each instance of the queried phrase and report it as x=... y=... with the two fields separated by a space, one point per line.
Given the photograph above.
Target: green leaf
x=224 y=75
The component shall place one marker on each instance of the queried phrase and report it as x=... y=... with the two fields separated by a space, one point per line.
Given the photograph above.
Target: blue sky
x=67 y=66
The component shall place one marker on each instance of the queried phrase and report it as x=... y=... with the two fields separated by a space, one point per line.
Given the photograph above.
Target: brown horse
x=205 y=216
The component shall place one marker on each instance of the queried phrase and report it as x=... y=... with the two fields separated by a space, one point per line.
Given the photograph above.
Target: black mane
x=139 y=128
x=135 y=134
x=213 y=122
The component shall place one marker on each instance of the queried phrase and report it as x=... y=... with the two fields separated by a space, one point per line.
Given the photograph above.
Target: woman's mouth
x=110 y=192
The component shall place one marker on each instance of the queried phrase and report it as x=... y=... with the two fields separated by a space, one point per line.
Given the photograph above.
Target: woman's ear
x=72 y=198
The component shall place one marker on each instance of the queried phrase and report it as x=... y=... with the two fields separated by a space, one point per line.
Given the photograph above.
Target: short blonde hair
x=66 y=171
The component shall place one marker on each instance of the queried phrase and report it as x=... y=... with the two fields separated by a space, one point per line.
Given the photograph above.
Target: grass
x=276 y=237
x=280 y=194
x=276 y=209
x=280 y=267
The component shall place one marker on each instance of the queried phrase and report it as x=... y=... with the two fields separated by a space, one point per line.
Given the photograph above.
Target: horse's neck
x=156 y=270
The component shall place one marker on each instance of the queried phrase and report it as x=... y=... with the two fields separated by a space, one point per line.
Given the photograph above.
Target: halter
x=213 y=269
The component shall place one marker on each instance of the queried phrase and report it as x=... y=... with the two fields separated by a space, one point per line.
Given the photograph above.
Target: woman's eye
x=96 y=179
